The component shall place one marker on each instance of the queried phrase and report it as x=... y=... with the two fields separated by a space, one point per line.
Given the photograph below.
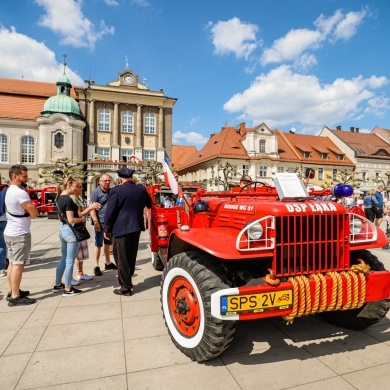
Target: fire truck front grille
x=311 y=243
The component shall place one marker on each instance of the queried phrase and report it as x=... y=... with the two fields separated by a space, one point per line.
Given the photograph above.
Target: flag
x=170 y=180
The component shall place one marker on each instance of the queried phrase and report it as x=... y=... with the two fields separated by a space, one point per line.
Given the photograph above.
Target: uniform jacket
x=125 y=209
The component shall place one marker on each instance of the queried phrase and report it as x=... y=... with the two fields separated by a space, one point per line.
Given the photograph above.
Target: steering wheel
x=255 y=183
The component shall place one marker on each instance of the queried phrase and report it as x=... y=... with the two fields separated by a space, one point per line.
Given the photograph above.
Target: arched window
x=150 y=123
x=59 y=140
x=127 y=122
x=28 y=149
x=262 y=146
x=3 y=148
x=104 y=120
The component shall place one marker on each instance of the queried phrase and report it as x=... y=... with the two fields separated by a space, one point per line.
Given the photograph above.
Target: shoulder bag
x=79 y=230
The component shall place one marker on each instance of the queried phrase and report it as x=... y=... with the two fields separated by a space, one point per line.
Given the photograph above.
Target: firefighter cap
x=125 y=173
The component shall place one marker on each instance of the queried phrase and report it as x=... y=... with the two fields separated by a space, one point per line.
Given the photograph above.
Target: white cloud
x=291 y=46
x=297 y=42
x=111 y=3
x=282 y=97
x=66 y=19
x=190 y=138
x=234 y=36
x=141 y=3
x=24 y=56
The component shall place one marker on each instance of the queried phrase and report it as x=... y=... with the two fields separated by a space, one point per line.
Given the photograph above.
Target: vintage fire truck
x=253 y=253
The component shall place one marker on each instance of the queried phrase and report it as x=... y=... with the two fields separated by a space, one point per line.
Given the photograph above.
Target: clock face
x=128 y=79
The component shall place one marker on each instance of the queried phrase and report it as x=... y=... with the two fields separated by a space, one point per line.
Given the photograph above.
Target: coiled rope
x=354 y=297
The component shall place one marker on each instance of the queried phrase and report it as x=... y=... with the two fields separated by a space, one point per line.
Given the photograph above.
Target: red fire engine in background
x=44 y=200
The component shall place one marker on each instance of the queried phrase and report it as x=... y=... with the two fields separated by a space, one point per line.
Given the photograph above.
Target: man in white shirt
x=17 y=234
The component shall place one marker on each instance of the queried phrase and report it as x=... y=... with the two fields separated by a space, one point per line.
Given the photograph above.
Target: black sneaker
x=22 y=294
x=59 y=288
x=97 y=271
x=19 y=301
x=110 y=266
x=73 y=291
x=119 y=291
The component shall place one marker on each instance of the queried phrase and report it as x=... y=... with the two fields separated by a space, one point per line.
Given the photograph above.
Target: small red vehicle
x=245 y=255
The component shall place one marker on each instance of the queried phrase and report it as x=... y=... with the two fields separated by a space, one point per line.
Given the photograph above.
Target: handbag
x=80 y=231
x=374 y=207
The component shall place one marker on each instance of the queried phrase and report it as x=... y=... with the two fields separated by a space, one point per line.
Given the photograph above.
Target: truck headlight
x=255 y=231
x=355 y=226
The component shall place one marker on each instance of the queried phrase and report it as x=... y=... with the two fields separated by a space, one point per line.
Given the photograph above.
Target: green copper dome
x=62 y=102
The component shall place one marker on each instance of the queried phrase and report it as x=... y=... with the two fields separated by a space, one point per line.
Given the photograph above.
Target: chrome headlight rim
x=355 y=226
x=255 y=231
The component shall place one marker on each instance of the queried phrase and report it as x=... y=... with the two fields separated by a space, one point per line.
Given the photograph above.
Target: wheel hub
x=184 y=306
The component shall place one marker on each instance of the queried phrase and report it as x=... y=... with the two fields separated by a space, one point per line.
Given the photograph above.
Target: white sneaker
x=84 y=277
x=74 y=282
x=2 y=272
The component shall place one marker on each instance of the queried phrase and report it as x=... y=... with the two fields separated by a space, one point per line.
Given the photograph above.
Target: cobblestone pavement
x=98 y=340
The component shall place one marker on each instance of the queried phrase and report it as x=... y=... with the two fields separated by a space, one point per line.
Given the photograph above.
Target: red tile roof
x=367 y=145
x=23 y=99
x=180 y=153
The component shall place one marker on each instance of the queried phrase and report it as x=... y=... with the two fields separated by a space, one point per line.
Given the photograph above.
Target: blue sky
x=287 y=63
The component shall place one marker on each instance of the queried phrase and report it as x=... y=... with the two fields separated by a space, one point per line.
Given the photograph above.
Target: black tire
x=187 y=283
x=157 y=263
x=369 y=258
x=369 y=314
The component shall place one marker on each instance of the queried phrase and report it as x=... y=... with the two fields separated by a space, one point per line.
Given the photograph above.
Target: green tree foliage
x=225 y=174
x=153 y=171
x=345 y=176
x=62 y=168
x=385 y=181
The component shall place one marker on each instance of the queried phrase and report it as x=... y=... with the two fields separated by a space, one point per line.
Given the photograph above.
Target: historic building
x=107 y=125
x=261 y=153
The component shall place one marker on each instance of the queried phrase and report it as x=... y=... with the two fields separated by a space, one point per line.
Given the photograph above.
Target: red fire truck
x=245 y=255
x=44 y=199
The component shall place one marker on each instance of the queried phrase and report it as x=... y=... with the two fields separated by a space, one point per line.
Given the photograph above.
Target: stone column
x=161 y=128
x=115 y=135
x=138 y=130
x=92 y=114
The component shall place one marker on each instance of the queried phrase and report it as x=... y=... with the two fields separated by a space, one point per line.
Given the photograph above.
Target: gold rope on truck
x=354 y=297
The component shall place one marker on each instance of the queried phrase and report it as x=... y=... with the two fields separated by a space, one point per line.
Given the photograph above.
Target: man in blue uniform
x=124 y=220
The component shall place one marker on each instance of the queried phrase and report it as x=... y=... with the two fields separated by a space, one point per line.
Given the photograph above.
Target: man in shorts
x=100 y=195
x=17 y=234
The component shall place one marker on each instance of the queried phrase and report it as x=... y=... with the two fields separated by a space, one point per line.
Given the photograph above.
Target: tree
x=345 y=176
x=385 y=181
x=153 y=170
x=62 y=168
x=225 y=174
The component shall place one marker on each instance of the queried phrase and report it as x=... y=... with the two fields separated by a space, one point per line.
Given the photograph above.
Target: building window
x=127 y=122
x=340 y=157
x=324 y=156
x=334 y=174
x=364 y=177
x=104 y=120
x=245 y=170
x=320 y=173
x=306 y=154
x=3 y=148
x=150 y=123
x=149 y=155
x=262 y=146
x=103 y=153
x=59 y=140
x=126 y=153
x=280 y=169
x=28 y=149
x=376 y=175
x=263 y=171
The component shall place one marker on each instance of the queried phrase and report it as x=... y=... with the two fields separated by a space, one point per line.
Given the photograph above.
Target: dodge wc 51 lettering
x=256 y=252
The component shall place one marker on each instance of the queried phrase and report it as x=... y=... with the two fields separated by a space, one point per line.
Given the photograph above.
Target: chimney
x=352 y=129
x=357 y=130
x=338 y=128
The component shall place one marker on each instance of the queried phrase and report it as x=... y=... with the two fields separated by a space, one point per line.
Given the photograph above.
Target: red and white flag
x=170 y=180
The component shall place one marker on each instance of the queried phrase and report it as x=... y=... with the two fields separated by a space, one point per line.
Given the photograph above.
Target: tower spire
x=64 y=55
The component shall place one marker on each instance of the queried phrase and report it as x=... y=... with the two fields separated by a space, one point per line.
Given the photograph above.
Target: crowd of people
x=117 y=214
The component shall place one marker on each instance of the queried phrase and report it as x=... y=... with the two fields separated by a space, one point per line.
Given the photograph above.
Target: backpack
x=2 y=200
